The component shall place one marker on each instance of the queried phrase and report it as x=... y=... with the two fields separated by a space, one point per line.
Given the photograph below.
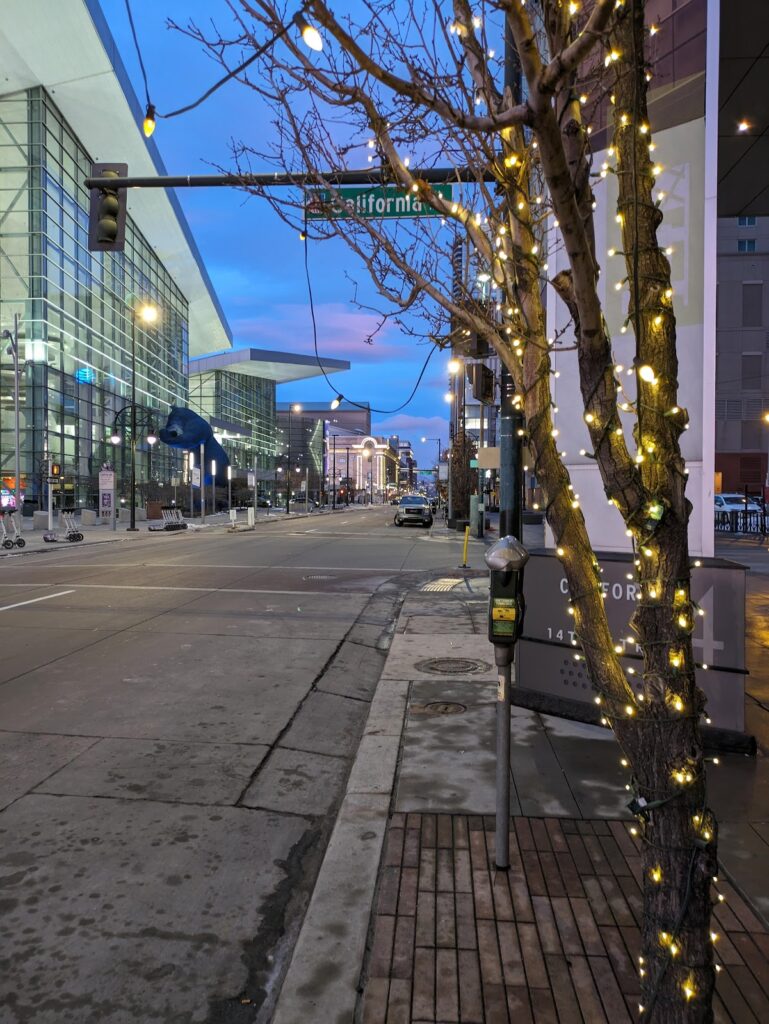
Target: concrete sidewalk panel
x=354 y=672
x=130 y=911
x=26 y=759
x=220 y=689
x=297 y=782
x=327 y=724
x=200 y=773
x=409 y=651
x=322 y=980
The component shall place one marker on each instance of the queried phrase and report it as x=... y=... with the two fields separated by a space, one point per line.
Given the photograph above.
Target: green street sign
x=377 y=201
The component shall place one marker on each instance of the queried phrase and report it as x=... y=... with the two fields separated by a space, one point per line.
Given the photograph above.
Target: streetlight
x=148 y=315
x=116 y=437
x=292 y=408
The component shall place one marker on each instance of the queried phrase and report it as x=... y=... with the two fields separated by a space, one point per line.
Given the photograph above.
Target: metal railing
x=742 y=522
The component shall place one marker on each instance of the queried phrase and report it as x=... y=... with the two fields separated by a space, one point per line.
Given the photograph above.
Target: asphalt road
x=178 y=716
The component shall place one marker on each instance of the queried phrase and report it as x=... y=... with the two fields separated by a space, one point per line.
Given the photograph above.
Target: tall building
x=66 y=100
x=236 y=392
x=742 y=354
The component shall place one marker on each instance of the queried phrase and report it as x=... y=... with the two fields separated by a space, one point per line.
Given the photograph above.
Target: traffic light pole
x=432 y=175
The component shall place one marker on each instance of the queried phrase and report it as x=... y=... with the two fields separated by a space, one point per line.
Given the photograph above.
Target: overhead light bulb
x=148 y=125
x=310 y=34
x=337 y=402
x=115 y=437
x=152 y=438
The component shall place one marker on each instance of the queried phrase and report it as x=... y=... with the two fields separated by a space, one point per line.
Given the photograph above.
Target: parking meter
x=506 y=560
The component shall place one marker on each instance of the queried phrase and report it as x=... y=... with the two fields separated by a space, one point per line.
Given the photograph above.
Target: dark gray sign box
x=549 y=679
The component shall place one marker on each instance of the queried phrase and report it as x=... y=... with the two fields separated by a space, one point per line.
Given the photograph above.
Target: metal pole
x=255 y=489
x=288 y=468
x=307 y=489
x=481 y=506
x=132 y=524
x=202 y=483
x=229 y=489
x=50 y=495
x=502 y=835
x=190 y=467
x=510 y=462
x=16 y=413
x=333 y=500
x=347 y=490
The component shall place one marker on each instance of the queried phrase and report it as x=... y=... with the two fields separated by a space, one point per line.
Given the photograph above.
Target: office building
x=75 y=308
x=742 y=354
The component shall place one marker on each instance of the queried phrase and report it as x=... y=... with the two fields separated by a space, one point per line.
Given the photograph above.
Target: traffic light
x=107 y=213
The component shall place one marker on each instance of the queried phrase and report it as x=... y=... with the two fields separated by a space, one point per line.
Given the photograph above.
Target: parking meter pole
x=503 y=657
x=506 y=560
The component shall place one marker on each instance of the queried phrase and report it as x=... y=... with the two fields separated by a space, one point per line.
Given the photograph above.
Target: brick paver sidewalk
x=555 y=939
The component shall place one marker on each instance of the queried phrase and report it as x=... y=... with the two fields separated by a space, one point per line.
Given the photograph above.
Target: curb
x=322 y=980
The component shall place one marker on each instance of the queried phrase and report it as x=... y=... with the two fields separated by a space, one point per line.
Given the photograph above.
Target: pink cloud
x=341 y=333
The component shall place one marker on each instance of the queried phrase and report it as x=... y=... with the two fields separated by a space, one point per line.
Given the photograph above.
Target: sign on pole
x=251 y=479
x=107 y=510
x=196 y=476
x=379 y=201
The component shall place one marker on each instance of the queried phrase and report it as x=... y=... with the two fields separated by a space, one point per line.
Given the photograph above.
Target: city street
x=179 y=713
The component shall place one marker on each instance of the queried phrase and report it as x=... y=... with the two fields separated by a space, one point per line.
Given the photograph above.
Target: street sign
x=379 y=201
x=251 y=479
x=196 y=476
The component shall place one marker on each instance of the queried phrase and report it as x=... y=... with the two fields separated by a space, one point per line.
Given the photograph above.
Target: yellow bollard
x=464 y=551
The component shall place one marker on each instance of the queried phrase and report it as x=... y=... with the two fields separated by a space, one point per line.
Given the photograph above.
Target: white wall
x=681 y=152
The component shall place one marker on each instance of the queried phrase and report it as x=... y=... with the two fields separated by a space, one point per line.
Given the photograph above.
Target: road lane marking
x=34 y=600
x=201 y=590
x=203 y=565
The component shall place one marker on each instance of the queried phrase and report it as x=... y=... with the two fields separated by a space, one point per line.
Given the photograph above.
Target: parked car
x=414 y=508
x=395 y=501
x=262 y=502
x=734 y=503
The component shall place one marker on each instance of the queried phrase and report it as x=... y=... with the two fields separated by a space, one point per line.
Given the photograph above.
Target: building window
x=746 y=222
x=746 y=245
x=752 y=302
x=751 y=371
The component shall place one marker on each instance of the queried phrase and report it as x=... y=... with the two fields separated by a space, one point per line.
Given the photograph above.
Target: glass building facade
x=241 y=408
x=77 y=323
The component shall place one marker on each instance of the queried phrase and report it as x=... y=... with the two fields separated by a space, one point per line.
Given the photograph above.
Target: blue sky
x=254 y=260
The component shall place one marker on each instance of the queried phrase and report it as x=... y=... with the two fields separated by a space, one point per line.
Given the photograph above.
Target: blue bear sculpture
x=186 y=430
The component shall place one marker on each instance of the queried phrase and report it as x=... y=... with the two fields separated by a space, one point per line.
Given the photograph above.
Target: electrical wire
x=222 y=81
x=381 y=412
x=138 y=50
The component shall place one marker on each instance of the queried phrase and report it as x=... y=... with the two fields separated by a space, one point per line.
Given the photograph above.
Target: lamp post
x=148 y=314
x=116 y=437
x=229 y=489
x=292 y=408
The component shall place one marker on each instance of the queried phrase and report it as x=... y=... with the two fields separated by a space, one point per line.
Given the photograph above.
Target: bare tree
x=408 y=88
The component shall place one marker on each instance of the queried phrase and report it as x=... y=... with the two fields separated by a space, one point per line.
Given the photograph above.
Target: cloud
x=341 y=333
x=413 y=428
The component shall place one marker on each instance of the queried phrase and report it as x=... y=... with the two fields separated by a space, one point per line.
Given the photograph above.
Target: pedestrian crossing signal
x=55 y=469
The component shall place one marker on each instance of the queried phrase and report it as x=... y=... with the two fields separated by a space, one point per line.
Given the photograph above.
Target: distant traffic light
x=107 y=213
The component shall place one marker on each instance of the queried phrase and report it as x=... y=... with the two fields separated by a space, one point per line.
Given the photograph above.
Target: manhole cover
x=318 y=577
x=443 y=707
x=452 y=666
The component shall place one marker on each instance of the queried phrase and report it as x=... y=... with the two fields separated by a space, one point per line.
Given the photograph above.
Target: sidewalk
x=443 y=937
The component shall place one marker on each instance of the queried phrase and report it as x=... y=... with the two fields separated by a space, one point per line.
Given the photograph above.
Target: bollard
x=464 y=550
